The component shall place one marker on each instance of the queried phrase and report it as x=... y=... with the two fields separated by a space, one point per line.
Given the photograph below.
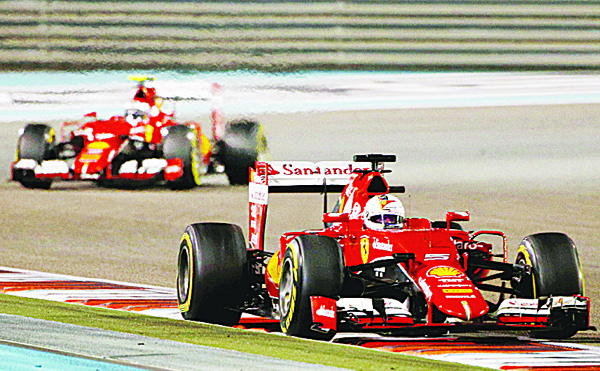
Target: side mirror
x=457 y=216
x=335 y=217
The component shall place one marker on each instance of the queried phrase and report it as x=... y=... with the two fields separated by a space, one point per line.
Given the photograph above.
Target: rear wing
x=293 y=177
x=304 y=176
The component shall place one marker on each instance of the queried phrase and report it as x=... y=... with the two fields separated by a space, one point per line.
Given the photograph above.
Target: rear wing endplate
x=304 y=176
x=292 y=177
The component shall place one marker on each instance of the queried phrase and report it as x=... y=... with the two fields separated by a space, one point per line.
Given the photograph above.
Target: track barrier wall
x=282 y=35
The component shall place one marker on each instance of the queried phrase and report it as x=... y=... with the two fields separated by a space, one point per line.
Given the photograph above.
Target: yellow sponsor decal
x=98 y=145
x=457 y=291
x=364 y=249
x=185 y=307
x=149 y=133
x=444 y=272
x=274 y=268
x=87 y=156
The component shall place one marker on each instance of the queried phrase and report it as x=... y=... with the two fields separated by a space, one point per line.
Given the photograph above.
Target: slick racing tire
x=212 y=278
x=36 y=143
x=181 y=142
x=243 y=143
x=555 y=271
x=312 y=266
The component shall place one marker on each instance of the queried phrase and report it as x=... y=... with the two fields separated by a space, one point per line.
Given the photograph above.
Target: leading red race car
x=143 y=146
x=373 y=269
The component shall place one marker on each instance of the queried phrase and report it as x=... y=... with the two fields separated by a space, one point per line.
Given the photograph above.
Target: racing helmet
x=145 y=94
x=136 y=112
x=384 y=212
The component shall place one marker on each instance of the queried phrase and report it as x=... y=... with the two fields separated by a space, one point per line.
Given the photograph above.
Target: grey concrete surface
x=136 y=350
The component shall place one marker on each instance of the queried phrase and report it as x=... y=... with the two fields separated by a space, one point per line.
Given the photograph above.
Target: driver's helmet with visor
x=384 y=212
x=136 y=113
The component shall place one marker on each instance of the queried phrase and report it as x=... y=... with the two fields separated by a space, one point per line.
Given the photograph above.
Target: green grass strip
x=254 y=342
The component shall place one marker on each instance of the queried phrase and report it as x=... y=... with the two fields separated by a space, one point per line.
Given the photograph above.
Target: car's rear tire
x=243 y=143
x=181 y=142
x=555 y=271
x=36 y=143
x=312 y=266
x=212 y=273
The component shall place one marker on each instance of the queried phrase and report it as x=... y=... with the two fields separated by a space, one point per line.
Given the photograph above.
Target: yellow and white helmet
x=384 y=212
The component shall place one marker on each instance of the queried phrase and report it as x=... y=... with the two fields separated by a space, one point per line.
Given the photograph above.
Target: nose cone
x=465 y=310
x=92 y=159
x=452 y=292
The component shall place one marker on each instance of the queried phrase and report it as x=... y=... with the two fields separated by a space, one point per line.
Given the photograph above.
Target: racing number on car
x=364 y=249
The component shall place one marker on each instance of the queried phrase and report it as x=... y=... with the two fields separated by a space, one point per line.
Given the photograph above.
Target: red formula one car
x=373 y=269
x=143 y=146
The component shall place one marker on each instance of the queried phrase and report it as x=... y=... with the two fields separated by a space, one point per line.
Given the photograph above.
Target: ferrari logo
x=364 y=249
x=383 y=202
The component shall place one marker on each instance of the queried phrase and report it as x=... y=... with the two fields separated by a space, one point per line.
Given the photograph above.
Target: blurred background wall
x=283 y=35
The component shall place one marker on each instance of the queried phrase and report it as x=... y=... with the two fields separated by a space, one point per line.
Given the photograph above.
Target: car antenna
x=324 y=195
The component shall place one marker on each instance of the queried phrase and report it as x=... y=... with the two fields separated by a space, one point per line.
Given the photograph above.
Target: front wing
x=387 y=315
x=168 y=169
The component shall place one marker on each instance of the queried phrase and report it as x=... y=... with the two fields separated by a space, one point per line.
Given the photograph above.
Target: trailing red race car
x=373 y=269
x=146 y=144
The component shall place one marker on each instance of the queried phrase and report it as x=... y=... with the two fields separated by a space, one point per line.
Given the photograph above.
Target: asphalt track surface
x=521 y=169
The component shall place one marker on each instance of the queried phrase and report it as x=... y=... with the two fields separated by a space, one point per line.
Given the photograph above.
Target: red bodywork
x=87 y=150
x=103 y=139
x=434 y=258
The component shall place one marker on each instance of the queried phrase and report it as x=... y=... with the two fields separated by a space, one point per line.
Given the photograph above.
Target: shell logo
x=444 y=272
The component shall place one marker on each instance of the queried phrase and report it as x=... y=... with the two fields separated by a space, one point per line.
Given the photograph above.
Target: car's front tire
x=181 y=142
x=312 y=266
x=36 y=143
x=555 y=271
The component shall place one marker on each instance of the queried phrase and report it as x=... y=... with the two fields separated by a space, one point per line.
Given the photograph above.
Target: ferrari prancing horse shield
x=364 y=249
